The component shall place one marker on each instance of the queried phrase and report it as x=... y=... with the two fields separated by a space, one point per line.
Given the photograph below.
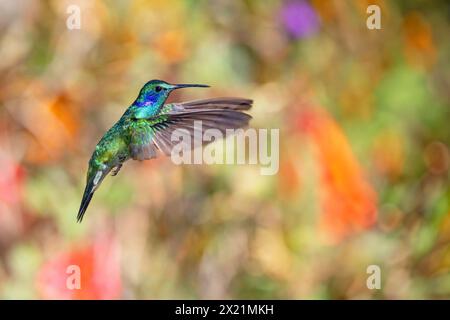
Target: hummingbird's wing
x=156 y=132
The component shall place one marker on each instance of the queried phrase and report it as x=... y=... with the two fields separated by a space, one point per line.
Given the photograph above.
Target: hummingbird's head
x=155 y=92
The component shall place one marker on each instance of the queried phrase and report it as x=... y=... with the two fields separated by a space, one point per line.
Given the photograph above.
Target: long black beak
x=180 y=86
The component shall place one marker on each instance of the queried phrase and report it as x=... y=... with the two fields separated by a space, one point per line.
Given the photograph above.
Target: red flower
x=90 y=272
x=347 y=199
x=11 y=180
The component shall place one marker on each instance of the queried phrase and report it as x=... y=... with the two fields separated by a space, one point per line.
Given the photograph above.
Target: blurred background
x=364 y=155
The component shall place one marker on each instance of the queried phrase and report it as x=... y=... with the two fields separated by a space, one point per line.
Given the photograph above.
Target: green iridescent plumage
x=147 y=125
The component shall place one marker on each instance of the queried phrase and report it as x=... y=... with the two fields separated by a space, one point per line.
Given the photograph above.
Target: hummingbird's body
x=147 y=125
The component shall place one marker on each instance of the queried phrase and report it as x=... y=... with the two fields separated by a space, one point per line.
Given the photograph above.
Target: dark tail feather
x=87 y=196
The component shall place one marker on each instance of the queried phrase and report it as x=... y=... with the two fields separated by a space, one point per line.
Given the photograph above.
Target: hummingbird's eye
x=158 y=88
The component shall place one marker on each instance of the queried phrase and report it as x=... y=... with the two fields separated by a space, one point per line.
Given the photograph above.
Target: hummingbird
x=144 y=130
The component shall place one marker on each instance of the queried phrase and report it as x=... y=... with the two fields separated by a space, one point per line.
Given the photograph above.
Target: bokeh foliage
x=364 y=158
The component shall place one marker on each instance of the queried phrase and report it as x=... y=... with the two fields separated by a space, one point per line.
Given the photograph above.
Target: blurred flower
x=325 y=10
x=388 y=154
x=171 y=46
x=420 y=48
x=299 y=19
x=11 y=180
x=437 y=157
x=53 y=121
x=348 y=201
x=63 y=110
x=289 y=178
x=99 y=273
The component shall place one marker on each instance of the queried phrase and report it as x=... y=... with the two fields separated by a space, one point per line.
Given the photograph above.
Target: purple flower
x=299 y=19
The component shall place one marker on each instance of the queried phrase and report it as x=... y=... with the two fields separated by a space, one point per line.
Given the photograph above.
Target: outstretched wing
x=155 y=133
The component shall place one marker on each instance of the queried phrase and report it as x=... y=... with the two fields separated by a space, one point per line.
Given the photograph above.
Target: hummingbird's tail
x=87 y=196
x=93 y=182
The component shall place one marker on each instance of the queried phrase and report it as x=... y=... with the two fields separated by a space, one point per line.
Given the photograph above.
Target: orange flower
x=347 y=199
x=420 y=48
x=97 y=269
x=289 y=180
x=171 y=46
x=53 y=121
x=388 y=154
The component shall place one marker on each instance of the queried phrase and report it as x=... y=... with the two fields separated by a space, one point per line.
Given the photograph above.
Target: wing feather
x=155 y=133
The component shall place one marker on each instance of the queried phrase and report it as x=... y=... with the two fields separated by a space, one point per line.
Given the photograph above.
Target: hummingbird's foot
x=116 y=170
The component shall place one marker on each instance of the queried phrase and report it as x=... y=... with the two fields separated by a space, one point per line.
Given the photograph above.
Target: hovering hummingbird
x=147 y=125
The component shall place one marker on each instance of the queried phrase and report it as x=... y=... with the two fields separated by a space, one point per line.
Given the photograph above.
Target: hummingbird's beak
x=180 y=86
